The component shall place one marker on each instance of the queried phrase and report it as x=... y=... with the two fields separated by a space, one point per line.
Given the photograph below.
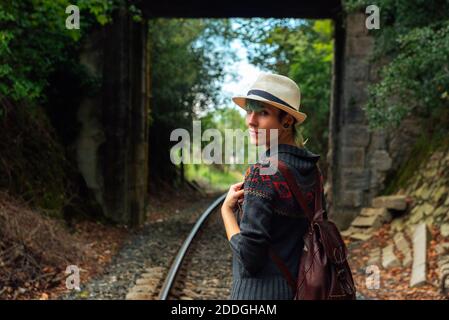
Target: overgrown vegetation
x=41 y=85
x=34 y=250
x=412 y=46
x=32 y=162
x=187 y=70
x=414 y=40
x=426 y=144
x=34 y=42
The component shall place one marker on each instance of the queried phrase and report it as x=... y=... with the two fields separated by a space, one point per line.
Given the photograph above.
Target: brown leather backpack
x=324 y=273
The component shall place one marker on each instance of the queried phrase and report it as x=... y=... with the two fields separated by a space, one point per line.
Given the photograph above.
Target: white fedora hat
x=276 y=90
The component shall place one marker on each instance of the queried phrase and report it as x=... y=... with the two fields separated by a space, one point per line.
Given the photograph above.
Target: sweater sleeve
x=252 y=243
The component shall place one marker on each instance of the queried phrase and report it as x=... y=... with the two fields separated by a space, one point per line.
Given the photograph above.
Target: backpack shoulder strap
x=300 y=198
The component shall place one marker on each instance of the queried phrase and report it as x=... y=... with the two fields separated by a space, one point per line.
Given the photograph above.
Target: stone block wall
x=349 y=177
x=360 y=159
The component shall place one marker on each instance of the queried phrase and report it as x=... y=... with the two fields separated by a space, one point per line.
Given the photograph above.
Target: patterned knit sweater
x=271 y=217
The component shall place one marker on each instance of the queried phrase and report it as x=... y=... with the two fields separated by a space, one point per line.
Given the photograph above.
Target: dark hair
x=281 y=114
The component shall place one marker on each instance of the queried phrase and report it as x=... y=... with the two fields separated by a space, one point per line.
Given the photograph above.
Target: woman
x=272 y=219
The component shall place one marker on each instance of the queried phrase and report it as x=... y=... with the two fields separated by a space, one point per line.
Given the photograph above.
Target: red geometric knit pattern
x=275 y=189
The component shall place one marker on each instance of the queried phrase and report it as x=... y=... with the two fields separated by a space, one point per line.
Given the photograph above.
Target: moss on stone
x=421 y=152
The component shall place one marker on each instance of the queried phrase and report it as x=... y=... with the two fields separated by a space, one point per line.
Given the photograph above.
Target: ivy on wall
x=414 y=40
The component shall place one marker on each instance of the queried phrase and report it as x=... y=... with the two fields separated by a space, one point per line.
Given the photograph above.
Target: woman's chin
x=256 y=141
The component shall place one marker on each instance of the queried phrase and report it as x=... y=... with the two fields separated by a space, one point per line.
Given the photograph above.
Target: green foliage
x=187 y=69
x=34 y=40
x=40 y=77
x=416 y=80
x=414 y=39
x=187 y=66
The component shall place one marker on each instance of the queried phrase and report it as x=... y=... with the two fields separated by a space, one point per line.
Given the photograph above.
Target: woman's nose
x=252 y=119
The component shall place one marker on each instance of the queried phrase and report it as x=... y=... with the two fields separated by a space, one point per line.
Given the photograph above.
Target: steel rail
x=174 y=268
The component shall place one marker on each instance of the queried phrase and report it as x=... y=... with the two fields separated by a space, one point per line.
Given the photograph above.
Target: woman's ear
x=288 y=121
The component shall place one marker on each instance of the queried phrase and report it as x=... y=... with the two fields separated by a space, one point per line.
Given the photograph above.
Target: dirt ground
x=35 y=250
x=394 y=282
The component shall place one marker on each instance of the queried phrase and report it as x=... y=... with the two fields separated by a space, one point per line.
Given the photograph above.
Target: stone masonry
x=359 y=158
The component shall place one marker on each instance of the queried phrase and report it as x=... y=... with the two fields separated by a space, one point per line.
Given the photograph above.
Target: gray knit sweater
x=271 y=216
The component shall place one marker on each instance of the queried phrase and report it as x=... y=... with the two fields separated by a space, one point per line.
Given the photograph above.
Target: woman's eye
x=263 y=113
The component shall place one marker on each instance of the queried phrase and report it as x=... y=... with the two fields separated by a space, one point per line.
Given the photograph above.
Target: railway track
x=200 y=270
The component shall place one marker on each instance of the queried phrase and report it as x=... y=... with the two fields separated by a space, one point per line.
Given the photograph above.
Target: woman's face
x=262 y=116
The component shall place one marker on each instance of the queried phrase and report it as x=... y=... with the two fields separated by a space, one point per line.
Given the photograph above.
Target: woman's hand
x=229 y=220
x=234 y=195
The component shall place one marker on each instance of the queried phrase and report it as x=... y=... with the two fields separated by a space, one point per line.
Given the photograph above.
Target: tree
x=414 y=41
x=187 y=68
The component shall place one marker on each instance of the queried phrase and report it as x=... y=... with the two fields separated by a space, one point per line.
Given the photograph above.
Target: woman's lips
x=253 y=132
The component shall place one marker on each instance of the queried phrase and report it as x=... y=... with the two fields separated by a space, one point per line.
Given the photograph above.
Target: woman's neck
x=289 y=141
